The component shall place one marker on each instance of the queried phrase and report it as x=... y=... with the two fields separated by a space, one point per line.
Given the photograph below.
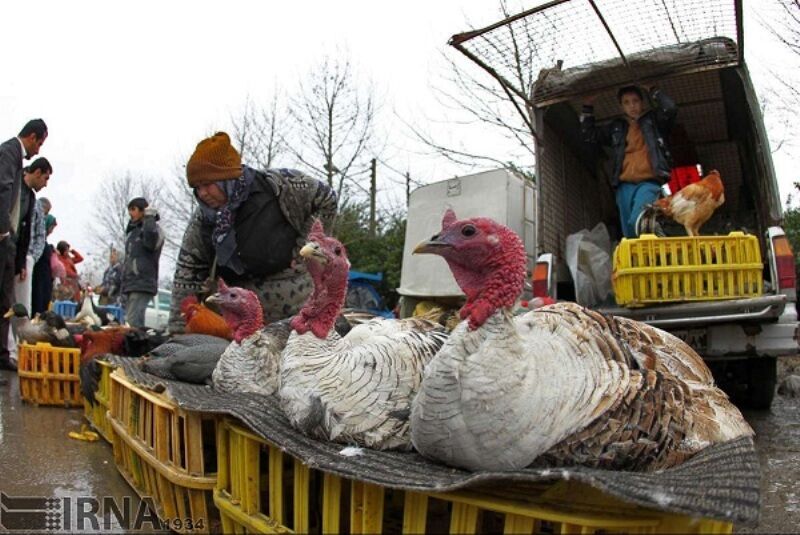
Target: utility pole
x=408 y=188
x=372 y=194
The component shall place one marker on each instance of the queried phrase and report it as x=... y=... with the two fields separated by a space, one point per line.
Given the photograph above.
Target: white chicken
x=560 y=384
x=356 y=389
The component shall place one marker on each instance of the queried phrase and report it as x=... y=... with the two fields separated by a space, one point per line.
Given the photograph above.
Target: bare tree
x=467 y=97
x=110 y=216
x=180 y=203
x=260 y=132
x=334 y=117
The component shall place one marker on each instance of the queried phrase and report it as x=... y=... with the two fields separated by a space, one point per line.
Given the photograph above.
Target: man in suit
x=25 y=145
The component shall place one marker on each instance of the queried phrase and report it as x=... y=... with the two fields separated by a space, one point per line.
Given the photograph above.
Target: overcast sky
x=133 y=86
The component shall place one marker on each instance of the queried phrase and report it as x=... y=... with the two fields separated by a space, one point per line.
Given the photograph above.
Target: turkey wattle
x=560 y=384
x=356 y=389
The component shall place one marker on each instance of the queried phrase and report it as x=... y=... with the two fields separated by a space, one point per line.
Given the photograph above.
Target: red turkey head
x=327 y=263
x=487 y=260
x=240 y=308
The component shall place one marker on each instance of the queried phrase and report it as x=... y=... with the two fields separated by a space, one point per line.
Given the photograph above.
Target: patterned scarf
x=224 y=234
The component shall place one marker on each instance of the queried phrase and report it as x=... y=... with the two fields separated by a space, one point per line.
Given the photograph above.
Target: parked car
x=156 y=315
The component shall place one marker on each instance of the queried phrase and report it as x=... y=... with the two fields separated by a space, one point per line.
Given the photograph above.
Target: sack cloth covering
x=721 y=482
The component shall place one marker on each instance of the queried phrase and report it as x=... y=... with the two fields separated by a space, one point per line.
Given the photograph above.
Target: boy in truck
x=640 y=156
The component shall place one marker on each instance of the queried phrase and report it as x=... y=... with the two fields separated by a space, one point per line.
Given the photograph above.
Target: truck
x=548 y=59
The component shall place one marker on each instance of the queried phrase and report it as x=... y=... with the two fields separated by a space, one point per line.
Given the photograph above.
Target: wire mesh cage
x=569 y=47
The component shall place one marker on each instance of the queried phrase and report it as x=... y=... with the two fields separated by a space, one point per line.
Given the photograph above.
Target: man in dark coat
x=31 y=231
x=142 y=253
x=25 y=145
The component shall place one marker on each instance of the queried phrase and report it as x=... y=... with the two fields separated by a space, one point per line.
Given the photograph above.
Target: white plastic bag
x=589 y=262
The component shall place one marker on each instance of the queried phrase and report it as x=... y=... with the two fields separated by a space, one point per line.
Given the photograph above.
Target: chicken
x=694 y=204
x=559 y=384
x=355 y=389
x=97 y=344
x=202 y=320
x=87 y=314
x=250 y=362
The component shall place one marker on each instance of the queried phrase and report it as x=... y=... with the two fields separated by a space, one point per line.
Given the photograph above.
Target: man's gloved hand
x=150 y=211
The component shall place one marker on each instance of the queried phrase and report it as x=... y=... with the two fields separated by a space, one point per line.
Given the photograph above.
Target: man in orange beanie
x=249 y=226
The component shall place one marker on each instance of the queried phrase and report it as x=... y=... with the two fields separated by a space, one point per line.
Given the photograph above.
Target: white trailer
x=502 y=195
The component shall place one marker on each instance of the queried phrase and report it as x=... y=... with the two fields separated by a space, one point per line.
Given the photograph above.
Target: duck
x=355 y=389
x=24 y=328
x=558 y=385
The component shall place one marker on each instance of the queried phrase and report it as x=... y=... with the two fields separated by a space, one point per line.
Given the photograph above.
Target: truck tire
x=762 y=377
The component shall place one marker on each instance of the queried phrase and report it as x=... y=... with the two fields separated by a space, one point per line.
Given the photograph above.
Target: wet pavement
x=37 y=459
x=778 y=446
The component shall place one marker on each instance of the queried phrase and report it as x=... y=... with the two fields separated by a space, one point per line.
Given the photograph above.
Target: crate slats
x=158 y=448
x=49 y=375
x=561 y=507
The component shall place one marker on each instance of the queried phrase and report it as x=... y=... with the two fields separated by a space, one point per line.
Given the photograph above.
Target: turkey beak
x=213 y=299
x=312 y=251
x=8 y=314
x=431 y=246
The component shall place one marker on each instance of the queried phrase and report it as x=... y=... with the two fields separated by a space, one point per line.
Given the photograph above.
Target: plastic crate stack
x=651 y=270
x=49 y=375
x=166 y=454
x=260 y=489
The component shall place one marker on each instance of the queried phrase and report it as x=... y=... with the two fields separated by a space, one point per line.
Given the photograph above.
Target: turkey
x=355 y=389
x=561 y=384
x=251 y=361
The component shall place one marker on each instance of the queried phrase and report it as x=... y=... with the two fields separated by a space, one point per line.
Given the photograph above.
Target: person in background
x=248 y=229
x=42 y=290
x=642 y=162
x=68 y=258
x=32 y=232
x=143 y=243
x=25 y=145
x=110 y=289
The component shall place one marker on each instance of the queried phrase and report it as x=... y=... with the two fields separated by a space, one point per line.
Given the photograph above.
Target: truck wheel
x=762 y=377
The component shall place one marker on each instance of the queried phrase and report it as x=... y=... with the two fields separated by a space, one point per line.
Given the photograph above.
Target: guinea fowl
x=251 y=361
x=190 y=358
x=356 y=389
x=560 y=384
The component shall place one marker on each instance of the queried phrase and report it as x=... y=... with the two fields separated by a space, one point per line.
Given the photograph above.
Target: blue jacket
x=655 y=124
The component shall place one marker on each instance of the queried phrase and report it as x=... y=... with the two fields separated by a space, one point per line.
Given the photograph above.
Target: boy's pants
x=632 y=197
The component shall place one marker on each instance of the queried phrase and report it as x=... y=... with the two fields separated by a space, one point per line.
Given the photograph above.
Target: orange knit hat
x=214 y=159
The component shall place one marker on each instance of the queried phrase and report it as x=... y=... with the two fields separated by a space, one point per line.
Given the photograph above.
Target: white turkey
x=251 y=361
x=560 y=384
x=356 y=389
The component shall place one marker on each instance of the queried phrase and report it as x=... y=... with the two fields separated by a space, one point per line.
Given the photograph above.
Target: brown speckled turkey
x=561 y=384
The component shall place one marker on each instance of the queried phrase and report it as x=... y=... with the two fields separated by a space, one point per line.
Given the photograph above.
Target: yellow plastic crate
x=262 y=490
x=49 y=375
x=97 y=414
x=166 y=454
x=650 y=270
